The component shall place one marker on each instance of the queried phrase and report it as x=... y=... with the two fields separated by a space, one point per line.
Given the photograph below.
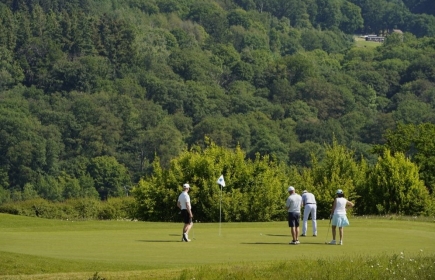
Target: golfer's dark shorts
x=186 y=217
x=293 y=219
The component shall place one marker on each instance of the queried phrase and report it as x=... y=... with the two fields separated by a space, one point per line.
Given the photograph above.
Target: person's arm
x=287 y=204
x=349 y=204
x=178 y=204
x=189 y=210
x=333 y=208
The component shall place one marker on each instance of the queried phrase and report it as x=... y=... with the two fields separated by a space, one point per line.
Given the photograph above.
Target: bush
x=118 y=208
x=32 y=208
x=73 y=209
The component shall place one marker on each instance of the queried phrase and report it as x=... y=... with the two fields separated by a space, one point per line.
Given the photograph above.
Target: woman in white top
x=338 y=215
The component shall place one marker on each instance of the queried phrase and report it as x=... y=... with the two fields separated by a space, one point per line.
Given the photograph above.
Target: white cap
x=339 y=191
x=290 y=189
x=305 y=191
x=186 y=186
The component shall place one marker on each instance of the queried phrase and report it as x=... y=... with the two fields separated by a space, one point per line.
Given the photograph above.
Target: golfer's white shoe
x=341 y=242
x=332 y=242
x=293 y=243
x=297 y=242
x=185 y=237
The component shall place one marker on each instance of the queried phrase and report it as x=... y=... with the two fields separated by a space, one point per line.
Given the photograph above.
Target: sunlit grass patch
x=35 y=248
x=362 y=43
x=397 y=266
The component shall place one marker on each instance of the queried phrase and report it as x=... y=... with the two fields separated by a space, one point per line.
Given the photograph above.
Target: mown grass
x=33 y=248
x=362 y=43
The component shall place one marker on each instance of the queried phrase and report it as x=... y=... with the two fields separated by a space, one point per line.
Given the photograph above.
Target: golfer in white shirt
x=310 y=208
x=186 y=212
x=293 y=206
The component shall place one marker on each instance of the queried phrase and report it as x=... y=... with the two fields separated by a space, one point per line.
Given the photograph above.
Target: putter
x=327 y=232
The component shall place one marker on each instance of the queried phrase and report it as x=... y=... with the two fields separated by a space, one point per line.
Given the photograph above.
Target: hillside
x=91 y=88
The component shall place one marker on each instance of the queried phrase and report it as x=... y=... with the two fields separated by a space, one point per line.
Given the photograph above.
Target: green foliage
x=201 y=168
x=351 y=20
x=338 y=169
x=139 y=80
x=74 y=209
x=109 y=176
x=10 y=72
x=366 y=268
x=394 y=187
x=417 y=143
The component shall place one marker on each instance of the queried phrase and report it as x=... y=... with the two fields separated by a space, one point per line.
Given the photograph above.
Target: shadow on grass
x=280 y=243
x=283 y=235
x=264 y=243
x=158 y=240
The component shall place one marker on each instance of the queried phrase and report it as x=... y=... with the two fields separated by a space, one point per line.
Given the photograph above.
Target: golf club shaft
x=327 y=232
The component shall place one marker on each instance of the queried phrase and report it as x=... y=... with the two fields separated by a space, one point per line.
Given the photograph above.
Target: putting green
x=127 y=245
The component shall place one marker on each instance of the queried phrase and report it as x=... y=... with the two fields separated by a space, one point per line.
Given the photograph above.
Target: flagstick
x=221 y=183
x=220 y=213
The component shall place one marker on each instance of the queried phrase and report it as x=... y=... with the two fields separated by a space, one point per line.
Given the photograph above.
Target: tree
x=48 y=187
x=372 y=12
x=116 y=42
x=22 y=145
x=212 y=17
x=164 y=141
x=157 y=194
x=8 y=28
x=191 y=65
x=421 y=68
x=239 y=17
x=351 y=19
x=11 y=73
x=410 y=110
x=329 y=100
x=418 y=144
x=329 y=14
x=109 y=176
x=420 y=25
x=394 y=187
x=338 y=169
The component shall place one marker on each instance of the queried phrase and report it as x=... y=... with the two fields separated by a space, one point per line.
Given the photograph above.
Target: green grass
x=362 y=43
x=33 y=248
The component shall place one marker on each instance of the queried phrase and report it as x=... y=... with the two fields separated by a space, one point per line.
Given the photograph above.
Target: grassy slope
x=362 y=43
x=32 y=246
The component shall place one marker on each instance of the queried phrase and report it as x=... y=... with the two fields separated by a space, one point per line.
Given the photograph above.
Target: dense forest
x=94 y=92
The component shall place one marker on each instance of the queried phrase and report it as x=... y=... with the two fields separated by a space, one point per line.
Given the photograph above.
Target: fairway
x=53 y=246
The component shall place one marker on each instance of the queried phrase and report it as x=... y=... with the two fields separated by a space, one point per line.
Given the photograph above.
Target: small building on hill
x=379 y=39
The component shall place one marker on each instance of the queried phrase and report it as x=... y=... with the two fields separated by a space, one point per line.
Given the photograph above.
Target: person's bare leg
x=297 y=233
x=340 y=230
x=333 y=232
x=293 y=231
x=189 y=226
x=186 y=230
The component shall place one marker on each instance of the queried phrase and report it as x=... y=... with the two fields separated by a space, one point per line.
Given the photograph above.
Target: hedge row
x=74 y=209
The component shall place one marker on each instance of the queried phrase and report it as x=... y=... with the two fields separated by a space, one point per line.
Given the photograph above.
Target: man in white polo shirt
x=186 y=212
x=293 y=206
x=310 y=207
